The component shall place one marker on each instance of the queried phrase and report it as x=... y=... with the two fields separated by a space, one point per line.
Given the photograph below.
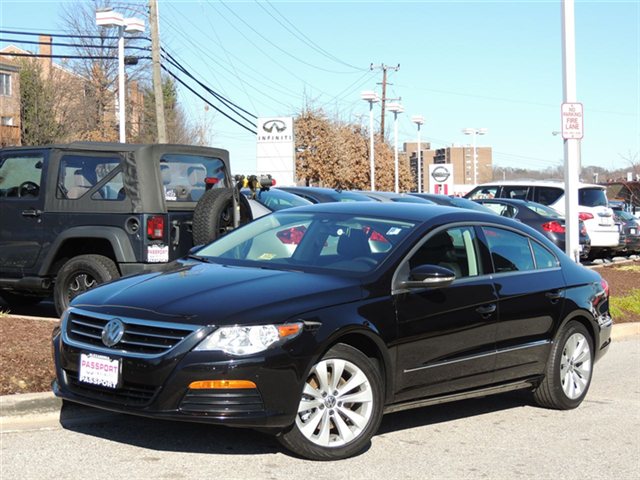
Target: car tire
x=80 y=274
x=213 y=215
x=14 y=299
x=569 y=369
x=326 y=426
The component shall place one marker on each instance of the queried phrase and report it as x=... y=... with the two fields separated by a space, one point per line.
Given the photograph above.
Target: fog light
x=227 y=384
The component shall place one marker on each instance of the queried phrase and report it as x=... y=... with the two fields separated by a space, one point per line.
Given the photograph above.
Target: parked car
x=541 y=218
x=326 y=195
x=458 y=202
x=81 y=214
x=592 y=200
x=380 y=307
x=395 y=197
x=629 y=233
x=266 y=200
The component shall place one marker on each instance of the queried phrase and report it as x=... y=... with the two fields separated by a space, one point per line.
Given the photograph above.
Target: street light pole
x=110 y=18
x=121 y=96
x=419 y=120
x=371 y=97
x=396 y=108
x=475 y=132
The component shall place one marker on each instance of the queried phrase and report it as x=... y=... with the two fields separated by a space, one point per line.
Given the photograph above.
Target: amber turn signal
x=289 y=329
x=228 y=384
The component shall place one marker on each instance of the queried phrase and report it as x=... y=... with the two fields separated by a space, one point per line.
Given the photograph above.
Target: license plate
x=633 y=231
x=99 y=370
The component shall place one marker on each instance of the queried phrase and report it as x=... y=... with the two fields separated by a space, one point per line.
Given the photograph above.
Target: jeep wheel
x=213 y=215
x=80 y=274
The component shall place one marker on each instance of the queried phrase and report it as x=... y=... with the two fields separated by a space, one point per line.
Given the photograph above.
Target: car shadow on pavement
x=187 y=437
x=164 y=435
x=448 y=412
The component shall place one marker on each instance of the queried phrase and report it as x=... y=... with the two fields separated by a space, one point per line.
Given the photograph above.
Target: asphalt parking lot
x=500 y=437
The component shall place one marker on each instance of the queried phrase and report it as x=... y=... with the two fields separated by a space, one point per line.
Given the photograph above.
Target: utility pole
x=384 y=69
x=157 y=78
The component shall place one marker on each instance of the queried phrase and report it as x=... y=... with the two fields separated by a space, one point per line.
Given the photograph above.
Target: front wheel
x=569 y=369
x=340 y=408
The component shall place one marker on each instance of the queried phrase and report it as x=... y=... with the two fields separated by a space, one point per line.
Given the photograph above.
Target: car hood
x=211 y=294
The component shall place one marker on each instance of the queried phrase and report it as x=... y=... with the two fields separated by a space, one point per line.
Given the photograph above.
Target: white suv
x=592 y=201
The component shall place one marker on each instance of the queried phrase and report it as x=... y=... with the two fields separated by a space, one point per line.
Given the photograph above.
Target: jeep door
x=21 y=208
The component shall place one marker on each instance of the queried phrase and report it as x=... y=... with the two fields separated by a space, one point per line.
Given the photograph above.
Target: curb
x=21 y=404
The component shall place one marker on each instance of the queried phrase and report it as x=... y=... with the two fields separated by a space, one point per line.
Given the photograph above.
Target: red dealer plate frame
x=99 y=370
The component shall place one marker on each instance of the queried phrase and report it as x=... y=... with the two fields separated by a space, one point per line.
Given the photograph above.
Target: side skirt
x=398 y=407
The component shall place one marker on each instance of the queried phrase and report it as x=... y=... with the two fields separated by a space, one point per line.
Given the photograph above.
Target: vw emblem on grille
x=112 y=332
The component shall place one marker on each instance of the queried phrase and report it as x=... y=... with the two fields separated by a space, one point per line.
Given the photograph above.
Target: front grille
x=222 y=402
x=129 y=395
x=141 y=337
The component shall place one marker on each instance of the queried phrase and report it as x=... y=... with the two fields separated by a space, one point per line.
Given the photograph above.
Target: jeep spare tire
x=213 y=215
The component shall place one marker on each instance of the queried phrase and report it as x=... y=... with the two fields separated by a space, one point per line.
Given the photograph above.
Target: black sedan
x=327 y=195
x=458 y=202
x=313 y=322
x=540 y=217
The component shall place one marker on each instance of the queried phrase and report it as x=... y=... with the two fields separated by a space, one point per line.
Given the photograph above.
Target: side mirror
x=429 y=276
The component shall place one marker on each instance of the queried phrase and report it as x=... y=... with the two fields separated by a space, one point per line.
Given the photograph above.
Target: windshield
x=543 y=210
x=332 y=242
x=592 y=197
x=276 y=200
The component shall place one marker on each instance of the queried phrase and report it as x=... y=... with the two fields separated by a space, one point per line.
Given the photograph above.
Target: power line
x=224 y=100
x=66 y=35
x=81 y=45
x=301 y=36
x=275 y=45
x=207 y=101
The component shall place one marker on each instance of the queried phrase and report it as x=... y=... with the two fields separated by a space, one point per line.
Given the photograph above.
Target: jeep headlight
x=241 y=340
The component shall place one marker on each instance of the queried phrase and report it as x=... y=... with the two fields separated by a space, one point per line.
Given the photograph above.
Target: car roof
x=536 y=183
x=417 y=212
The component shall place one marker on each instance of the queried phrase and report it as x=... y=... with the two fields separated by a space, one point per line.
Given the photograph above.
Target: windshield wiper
x=200 y=258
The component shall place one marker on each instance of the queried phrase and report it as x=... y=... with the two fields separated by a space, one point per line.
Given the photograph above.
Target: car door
x=531 y=290
x=21 y=208
x=446 y=336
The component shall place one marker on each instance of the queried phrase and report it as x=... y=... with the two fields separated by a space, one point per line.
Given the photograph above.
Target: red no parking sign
x=572 y=121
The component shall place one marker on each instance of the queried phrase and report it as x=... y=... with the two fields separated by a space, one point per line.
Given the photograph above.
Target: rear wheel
x=340 y=408
x=569 y=369
x=80 y=274
x=213 y=215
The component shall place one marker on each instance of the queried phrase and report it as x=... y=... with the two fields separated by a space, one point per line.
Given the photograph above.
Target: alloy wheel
x=336 y=405
x=575 y=366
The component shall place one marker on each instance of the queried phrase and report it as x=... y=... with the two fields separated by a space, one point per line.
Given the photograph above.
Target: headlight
x=239 y=340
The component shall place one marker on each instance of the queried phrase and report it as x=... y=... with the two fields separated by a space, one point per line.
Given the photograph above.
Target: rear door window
x=81 y=174
x=510 y=251
x=547 y=195
x=514 y=192
x=183 y=176
x=592 y=197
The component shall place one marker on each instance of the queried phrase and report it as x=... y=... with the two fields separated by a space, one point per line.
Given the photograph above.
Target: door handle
x=486 y=310
x=554 y=295
x=33 y=212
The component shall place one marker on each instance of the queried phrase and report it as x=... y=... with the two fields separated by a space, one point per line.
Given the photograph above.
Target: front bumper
x=159 y=387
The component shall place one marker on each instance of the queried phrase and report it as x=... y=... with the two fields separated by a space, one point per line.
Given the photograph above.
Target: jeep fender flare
x=117 y=238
